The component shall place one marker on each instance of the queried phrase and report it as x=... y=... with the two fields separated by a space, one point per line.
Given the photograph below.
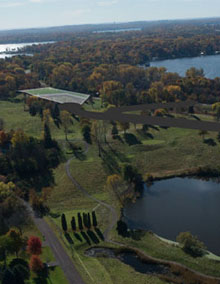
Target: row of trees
x=84 y=221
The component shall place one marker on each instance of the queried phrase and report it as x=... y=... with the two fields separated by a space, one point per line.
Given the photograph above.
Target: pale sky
x=43 y=13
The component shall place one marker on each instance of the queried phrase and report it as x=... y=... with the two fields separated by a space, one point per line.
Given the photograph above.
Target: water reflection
x=176 y=205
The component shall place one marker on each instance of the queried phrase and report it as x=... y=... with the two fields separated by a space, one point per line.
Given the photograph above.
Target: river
x=210 y=65
x=176 y=205
x=13 y=47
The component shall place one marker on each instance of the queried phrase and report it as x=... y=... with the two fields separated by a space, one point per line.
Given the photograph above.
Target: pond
x=132 y=259
x=210 y=65
x=176 y=205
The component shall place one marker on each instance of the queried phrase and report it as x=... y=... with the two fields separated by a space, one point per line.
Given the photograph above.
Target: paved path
x=119 y=114
x=62 y=258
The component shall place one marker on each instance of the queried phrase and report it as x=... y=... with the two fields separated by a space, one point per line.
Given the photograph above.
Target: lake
x=4 y=48
x=117 y=30
x=210 y=65
x=176 y=205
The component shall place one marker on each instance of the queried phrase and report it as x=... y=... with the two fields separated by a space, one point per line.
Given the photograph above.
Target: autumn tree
x=216 y=108
x=19 y=137
x=34 y=245
x=194 y=72
x=36 y=265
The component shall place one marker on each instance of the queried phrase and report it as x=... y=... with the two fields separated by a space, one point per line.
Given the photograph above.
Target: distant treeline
x=108 y=65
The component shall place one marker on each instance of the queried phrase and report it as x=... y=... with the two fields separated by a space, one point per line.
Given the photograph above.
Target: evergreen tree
x=8 y=277
x=56 y=112
x=80 y=223
x=63 y=222
x=89 y=221
x=122 y=228
x=94 y=220
x=48 y=142
x=73 y=224
x=86 y=132
x=85 y=220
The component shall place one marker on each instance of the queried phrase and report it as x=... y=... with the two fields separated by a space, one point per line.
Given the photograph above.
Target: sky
x=43 y=13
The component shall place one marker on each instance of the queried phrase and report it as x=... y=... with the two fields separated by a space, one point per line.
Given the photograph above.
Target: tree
x=94 y=220
x=124 y=126
x=194 y=72
x=85 y=220
x=73 y=223
x=98 y=134
x=191 y=244
x=86 y=132
x=36 y=265
x=203 y=133
x=9 y=277
x=114 y=183
x=20 y=269
x=63 y=222
x=56 y=112
x=89 y=221
x=48 y=142
x=17 y=240
x=160 y=112
x=80 y=223
x=34 y=245
x=2 y=124
x=122 y=228
x=19 y=137
x=66 y=120
x=129 y=173
x=114 y=131
x=216 y=108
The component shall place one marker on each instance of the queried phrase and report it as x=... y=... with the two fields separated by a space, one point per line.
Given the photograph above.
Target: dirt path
x=62 y=258
x=83 y=190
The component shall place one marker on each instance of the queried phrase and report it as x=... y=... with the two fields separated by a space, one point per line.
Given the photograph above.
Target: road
x=62 y=258
x=120 y=114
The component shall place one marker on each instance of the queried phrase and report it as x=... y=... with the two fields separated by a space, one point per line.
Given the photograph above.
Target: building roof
x=57 y=95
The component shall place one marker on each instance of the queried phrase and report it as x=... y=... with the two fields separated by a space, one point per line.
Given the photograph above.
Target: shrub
x=191 y=244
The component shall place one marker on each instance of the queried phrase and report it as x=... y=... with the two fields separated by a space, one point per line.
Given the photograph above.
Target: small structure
x=57 y=95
